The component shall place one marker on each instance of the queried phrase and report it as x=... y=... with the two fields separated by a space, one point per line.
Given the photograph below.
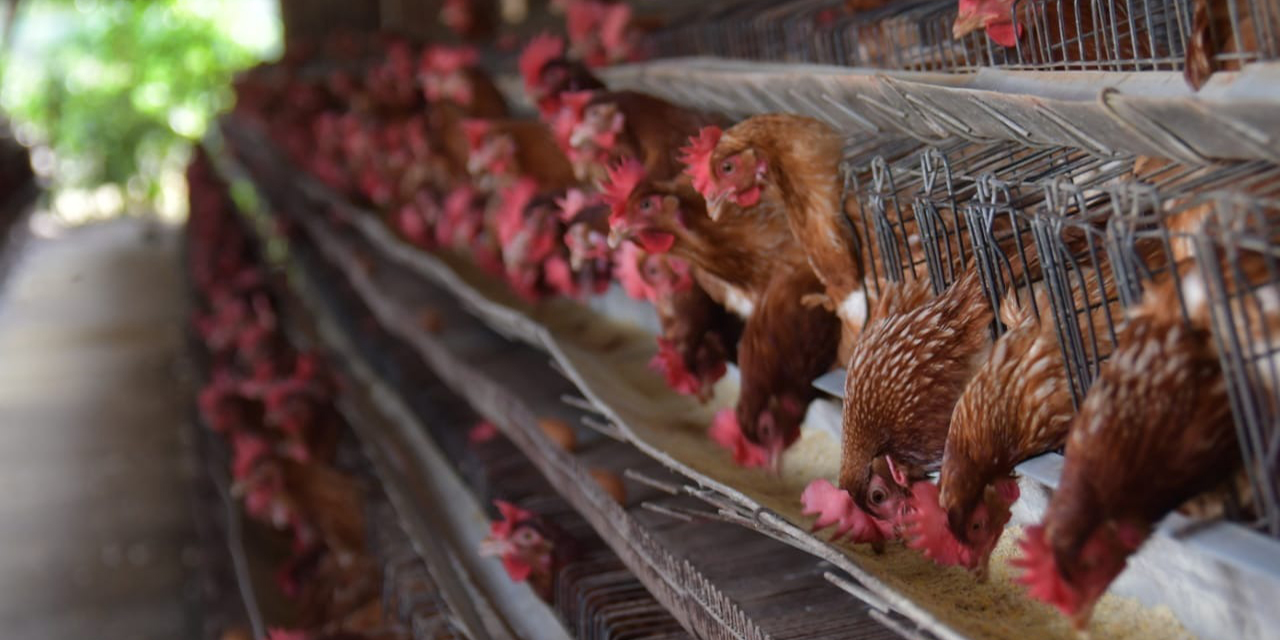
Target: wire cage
x=1106 y=35
x=863 y=205
x=1052 y=35
x=1070 y=237
x=1217 y=224
x=1105 y=234
x=1238 y=253
x=941 y=210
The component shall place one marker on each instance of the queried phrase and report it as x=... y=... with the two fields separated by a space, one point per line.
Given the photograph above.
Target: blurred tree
x=117 y=90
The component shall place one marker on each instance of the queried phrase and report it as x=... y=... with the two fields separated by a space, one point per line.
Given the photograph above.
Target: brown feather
x=906 y=373
x=785 y=346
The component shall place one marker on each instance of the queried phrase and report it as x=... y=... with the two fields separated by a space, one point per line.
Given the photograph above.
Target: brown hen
x=788 y=163
x=628 y=124
x=785 y=346
x=1154 y=430
x=743 y=251
x=906 y=372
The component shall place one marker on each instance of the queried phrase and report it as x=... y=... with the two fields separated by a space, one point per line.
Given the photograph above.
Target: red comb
x=726 y=432
x=445 y=60
x=515 y=199
x=459 y=201
x=248 y=449
x=482 y=432
x=560 y=276
x=927 y=531
x=622 y=180
x=511 y=516
x=627 y=268
x=475 y=129
x=577 y=101
x=573 y=106
x=834 y=506
x=670 y=364
x=543 y=48
x=696 y=157
x=1041 y=575
x=613 y=30
x=581 y=19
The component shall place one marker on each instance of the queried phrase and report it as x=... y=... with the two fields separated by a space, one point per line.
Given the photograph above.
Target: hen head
x=636 y=213
x=995 y=16
x=835 y=507
x=724 y=168
x=523 y=549
x=669 y=361
x=976 y=508
x=1074 y=578
x=585 y=241
x=560 y=76
x=442 y=72
x=956 y=536
x=548 y=73
x=665 y=275
x=882 y=487
x=594 y=138
x=534 y=60
x=567 y=117
x=489 y=153
x=775 y=426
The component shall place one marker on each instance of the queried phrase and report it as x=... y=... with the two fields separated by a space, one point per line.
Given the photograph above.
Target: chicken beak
x=775 y=461
x=966 y=23
x=714 y=204
x=981 y=571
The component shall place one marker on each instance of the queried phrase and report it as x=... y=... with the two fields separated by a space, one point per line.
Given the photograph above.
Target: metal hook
x=1154 y=133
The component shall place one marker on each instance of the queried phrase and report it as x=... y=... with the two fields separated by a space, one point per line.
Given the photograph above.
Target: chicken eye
x=726 y=167
x=878 y=496
x=646 y=204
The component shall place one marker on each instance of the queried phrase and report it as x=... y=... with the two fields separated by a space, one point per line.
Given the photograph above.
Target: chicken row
x=752 y=251
x=272 y=405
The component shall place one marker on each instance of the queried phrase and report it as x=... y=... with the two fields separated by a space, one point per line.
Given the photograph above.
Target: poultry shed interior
x=486 y=319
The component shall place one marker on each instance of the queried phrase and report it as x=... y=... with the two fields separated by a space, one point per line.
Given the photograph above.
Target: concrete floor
x=96 y=532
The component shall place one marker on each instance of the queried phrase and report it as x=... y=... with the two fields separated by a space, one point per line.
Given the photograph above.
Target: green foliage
x=118 y=89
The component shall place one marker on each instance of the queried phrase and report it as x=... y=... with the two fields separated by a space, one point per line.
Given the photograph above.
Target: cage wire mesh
x=1238 y=253
x=1215 y=224
x=944 y=209
x=1053 y=35
x=1070 y=237
x=1090 y=235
